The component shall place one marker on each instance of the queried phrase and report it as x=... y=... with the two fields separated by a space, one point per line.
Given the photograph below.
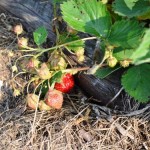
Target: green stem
x=74 y=69
x=62 y=45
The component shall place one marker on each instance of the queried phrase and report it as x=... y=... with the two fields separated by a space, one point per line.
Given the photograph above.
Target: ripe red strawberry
x=54 y=99
x=66 y=85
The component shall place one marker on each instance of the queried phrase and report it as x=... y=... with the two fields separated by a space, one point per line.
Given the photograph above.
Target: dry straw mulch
x=77 y=126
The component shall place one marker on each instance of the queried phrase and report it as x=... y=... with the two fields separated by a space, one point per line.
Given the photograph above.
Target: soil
x=78 y=125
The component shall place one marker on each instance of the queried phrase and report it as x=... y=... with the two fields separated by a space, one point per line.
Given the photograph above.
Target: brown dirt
x=76 y=126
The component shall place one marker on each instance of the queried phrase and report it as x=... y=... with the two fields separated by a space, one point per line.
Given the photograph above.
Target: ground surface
x=76 y=126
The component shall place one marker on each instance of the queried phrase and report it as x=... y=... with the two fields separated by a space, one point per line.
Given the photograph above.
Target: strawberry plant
x=53 y=77
x=124 y=34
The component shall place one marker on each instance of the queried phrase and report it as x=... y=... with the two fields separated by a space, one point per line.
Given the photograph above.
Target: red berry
x=66 y=85
x=54 y=99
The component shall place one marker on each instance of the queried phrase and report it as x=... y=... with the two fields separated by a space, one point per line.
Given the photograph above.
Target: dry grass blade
x=123 y=131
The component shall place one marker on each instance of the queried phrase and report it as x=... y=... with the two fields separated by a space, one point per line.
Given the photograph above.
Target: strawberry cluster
x=43 y=72
x=54 y=97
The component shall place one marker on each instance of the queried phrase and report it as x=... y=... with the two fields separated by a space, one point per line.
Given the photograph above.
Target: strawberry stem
x=74 y=70
x=62 y=45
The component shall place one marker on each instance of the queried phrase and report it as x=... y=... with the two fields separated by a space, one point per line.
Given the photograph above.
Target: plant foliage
x=104 y=72
x=125 y=33
x=123 y=54
x=64 y=38
x=142 y=53
x=131 y=8
x=122 y=41
x=130 y=3
x=125 y=42
x=40 y=35
x=136 y=82
x=89 y=16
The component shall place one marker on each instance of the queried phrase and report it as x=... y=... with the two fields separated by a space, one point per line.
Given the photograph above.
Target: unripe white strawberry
x=107 y=54
x=32 y=100
x=18 y=29
x=44 y=106
x=33 y=63
x=22 y=42
x=44 y=72
x=80 y=54
x=125 y=63
x=57 y=62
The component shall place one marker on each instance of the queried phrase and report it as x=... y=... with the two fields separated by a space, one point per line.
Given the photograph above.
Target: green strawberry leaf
x=104 y=72
x=144 y=59
x=57 y=77
x=89 y=16
x=64 y=38
x=130 y=3
x=44 y=87
x=40 y=35
x=122 y=54
x=131 y=9
x=136 y=82
x=125 y=33
x=142 y=53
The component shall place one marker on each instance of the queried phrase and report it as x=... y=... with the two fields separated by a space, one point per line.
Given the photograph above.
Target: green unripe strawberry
x=112 y=61
x=110 y=48
x=16 y=92
x=125 y=63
